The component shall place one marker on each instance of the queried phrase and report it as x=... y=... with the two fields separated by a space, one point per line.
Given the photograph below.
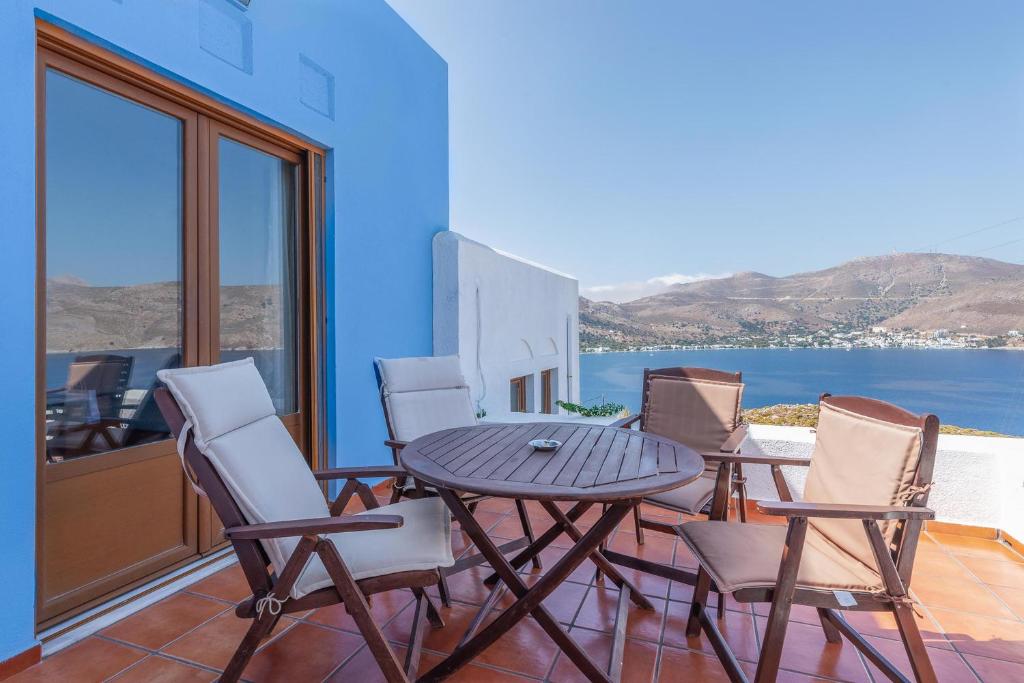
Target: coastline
x=800 y=348
x=973 y=390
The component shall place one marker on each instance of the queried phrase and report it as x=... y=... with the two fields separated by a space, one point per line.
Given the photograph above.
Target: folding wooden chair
x=422 y=395
x=850 y=543
x=89 y=404
x=700 y=408
x=297 y=554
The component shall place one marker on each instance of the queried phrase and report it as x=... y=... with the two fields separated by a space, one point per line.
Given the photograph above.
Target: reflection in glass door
x=257 y=217
x=113 y=267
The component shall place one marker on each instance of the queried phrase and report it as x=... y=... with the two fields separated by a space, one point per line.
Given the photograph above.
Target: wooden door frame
x=520 y=385
x=47 y=610
x=299 y=424
x=216 y=130
x=547 y=399
x=201 y=115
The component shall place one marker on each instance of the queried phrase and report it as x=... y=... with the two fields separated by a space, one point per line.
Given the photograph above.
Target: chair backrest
x=146 y=424
x=252 y=558
x=105 y=376
x=423 y=395
x=258 y=474
x=697 y=407
x=868 y=452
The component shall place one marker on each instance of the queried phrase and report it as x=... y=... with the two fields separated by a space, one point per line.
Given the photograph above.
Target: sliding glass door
x=258 y=264
x=169 y=236
x=257 y=219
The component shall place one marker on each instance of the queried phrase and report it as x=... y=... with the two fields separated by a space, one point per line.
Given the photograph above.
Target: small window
x=549 y=391
x=519 y=394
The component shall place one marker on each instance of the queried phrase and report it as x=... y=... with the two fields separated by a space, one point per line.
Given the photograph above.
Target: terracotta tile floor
x=972 y=614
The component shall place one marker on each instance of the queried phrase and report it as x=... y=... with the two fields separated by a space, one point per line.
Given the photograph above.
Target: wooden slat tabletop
x=593 y=463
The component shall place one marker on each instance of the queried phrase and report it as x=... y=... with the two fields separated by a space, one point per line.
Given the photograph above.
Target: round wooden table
x=594 y=464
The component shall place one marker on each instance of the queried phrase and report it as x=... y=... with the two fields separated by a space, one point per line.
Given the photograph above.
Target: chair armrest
x=306 y=527
x=732 y=444
x=757 y=459
x=626 y=422
x=397 y=445
x=840 y=511
x=357 y=472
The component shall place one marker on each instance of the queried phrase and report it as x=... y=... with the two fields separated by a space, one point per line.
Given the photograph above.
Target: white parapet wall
x=505 y=318
x=979 y=480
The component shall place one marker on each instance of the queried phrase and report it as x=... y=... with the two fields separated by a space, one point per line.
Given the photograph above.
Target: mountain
x=80 y=317
x=923 y=292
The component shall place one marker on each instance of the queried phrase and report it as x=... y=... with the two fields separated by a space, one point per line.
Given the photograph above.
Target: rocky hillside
x=918 y=291
x=84 y=318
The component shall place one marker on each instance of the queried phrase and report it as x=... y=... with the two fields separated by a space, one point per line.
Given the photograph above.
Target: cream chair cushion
x=422 y=542
x=422 y=373
x=217 y=399
x=748 y=556
x=235 y=427
x=418 y=413
x=425 y=395
x=859 y=460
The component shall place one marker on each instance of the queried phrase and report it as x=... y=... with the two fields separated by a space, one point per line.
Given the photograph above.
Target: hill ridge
x=917 y=291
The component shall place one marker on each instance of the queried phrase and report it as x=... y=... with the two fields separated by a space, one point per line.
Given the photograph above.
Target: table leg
x=563 y=522
x=542 y=542
x=602 y=563
x=529 y=599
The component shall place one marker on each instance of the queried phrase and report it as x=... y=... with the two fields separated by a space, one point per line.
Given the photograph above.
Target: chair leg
x=359 y=609
x=265 y=620
x=443 y=591
x=396 y=494
x=699 y=603
x=601 y=546
x=782 y=602
x=639 y=527
x=260 y=629
x=914 y=644
x=524 y=520
x=433 y=616
x=425 y=613
x=832 y=634
x=721 y=606
x=741 y=489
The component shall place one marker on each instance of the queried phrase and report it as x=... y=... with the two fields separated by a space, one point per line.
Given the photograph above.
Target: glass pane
x=257 y=223
x=113 y=267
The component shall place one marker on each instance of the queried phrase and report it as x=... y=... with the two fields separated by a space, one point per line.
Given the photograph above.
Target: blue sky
x=624 y=141
x=109 y=195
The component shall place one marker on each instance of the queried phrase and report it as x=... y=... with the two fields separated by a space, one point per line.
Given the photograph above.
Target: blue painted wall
x=349 y=75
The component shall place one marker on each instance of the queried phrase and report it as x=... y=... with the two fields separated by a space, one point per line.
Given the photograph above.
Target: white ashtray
x=545 y=444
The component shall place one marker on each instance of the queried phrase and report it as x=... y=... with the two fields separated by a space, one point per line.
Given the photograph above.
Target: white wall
x=979 y=481
x=505 y=317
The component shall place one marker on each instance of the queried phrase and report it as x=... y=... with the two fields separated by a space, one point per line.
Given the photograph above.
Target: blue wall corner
x=17 y=343
x=379 y=107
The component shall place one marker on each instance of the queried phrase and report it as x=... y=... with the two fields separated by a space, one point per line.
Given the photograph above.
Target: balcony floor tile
x=972 y=620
